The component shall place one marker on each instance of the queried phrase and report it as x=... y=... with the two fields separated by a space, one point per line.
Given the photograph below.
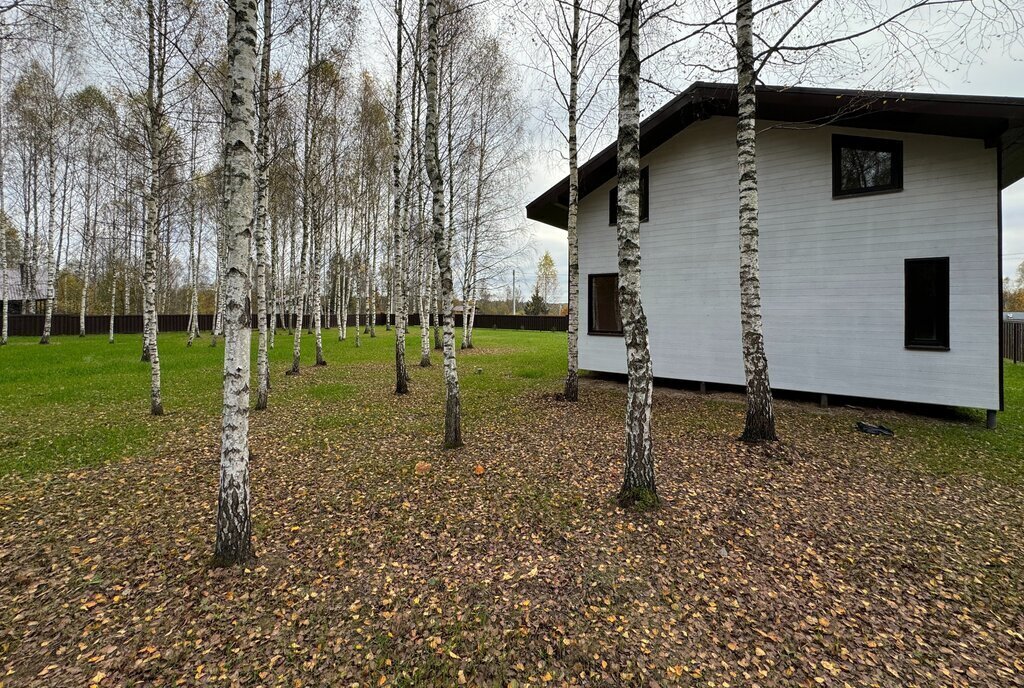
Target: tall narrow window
x=862 y=165
x=645 y=195
x=645 y=200
x=926 y=308
x=603 y=300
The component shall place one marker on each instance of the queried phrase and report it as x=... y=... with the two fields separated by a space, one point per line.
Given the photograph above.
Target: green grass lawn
x=81 y=401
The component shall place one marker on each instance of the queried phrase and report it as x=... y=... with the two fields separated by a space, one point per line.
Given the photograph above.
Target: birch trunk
x=425 y=255
x=453 y=413
x=760 y=420
x=113 y=293
x=86 y=274
x=3 y=211
x=260 y=228
x=234 y=527
x=273 y=291
x=317 y=288
x=427 y=278
x=572 y=384
x=338 y=279
x=154 y=132
x=638 y=487
x=346 y=283
x=359 y=316
x=51 y=219
x=398 y=267
x=193 y=300
x=218 y=295
x=3 y=269
x=300 y=300
x=193 y=306
x=149 y=289
x=436 y=301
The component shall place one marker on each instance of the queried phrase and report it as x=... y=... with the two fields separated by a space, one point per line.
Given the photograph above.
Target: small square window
x=926 y=307
x=862 y=165
x=603 y=304
x=645 y=200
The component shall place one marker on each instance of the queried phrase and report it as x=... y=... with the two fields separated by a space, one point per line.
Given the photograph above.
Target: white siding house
x=834 y=288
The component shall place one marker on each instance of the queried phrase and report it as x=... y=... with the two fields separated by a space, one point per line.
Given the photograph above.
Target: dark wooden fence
x=65 y=324
x=1013 y=340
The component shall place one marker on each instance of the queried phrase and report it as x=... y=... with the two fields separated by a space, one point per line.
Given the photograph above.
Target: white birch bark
x=273 y=288
x=154 y=133
x=360 y=271
x=51 y=220
x=453 y=412
x=113 y=290
x=234 y=528
x=260 y=228
x=760 y=419
x=3 y=206
x=300 y=300
x=572 y=385
x=427 y=277
x=87 y=258
x=638 y=487
x=346 y=277
x=3 y=271
x=317 y=288
x=435 y=299
x=398 y=267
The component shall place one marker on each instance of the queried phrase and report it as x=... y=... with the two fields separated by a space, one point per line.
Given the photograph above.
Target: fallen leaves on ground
x=823 y=561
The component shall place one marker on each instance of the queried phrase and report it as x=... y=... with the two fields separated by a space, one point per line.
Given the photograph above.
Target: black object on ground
x=874 y=429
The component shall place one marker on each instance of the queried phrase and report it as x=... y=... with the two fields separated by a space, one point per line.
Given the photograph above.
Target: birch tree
x=260 y=227
x=574 y=39
x=399 y=266
x=571 y=391
x=453 y=413
x=234 y=526
x=759 y=424
x=638 y=488
x=314 y=19
x=155 y=133
x=3 y=187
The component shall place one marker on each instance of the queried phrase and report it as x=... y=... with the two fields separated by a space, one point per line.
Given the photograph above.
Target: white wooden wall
x=831 y=269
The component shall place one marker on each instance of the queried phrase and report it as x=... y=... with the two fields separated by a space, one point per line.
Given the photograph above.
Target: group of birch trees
x=462 y=145
x=112 y=166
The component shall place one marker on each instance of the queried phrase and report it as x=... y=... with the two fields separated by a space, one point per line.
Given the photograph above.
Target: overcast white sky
x=998 y=75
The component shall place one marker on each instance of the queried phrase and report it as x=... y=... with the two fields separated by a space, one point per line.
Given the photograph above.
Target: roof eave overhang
x=998 y=121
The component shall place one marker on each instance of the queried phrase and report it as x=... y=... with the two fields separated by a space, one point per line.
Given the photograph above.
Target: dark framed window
x=603 y=304
x=926 y=307
x=645 y=200
x=862 y=165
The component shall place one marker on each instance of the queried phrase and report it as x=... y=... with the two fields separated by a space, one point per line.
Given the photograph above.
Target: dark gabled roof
x=998 y=121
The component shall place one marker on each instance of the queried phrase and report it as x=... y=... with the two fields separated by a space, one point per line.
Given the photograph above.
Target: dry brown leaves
x=818 y=562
